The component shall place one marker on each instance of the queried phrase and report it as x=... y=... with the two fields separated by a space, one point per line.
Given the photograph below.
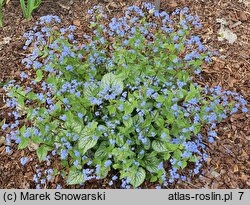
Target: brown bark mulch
x=228 y=165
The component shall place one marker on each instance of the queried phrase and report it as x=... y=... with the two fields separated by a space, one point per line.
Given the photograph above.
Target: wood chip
x=236 y=169
x=77 y=22
x=2 y=140
x=215 y=174
x=63 y=6
x=33 y=146
x=113 y=5
x=243 y=16
x=236 y=24
x=172 y=4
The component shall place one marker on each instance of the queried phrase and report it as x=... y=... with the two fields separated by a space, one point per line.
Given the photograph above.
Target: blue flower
x=112 y=141
x=244 y=109
x=212 y=133
x=23 y=75
x=184 y=130
x=64 y=154
x=126 y=117
x=77 y=153
x=179 y=163
x=7 y=149
x=155 y=95
x=76 y=163
x=174 y=107
x=63 y=117
x=120 y=107
x=191 y=128
x=183 y=178
x=142 y=152
x=37 y=65
x=65 y=100
x=24 y=160
x=43 y=181
x=163 y=135
x=58 y=186
x=78 y=94
x=4 y=126
x=27 y=133
x=71 y=37
x=108 y=163
x=49 y=19
x=40 y=96
x=69 y=67
x=49 y=177
x=53 y=152
x=95 y=101
x=211 y=139
x=114 y=178
x=80 y=115
x=128 y=142
x=94 y=137
x=150 y=91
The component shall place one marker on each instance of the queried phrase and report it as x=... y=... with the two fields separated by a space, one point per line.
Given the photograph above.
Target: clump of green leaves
x=123 y=99
x=29 y=7
x=1 y=12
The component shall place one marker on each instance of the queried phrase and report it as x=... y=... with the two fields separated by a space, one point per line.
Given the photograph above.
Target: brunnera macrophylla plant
x=122 y=99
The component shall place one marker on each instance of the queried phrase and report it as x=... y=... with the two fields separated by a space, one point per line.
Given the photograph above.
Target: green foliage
x=29 y=7
x=1 y=12
x=122 y=100
x=75 y=177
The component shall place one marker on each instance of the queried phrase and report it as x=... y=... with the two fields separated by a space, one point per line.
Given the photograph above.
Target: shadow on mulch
x=228 y=165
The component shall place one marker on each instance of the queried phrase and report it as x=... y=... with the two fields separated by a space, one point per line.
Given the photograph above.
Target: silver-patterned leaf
x=101 y=152
x=151 y=163
x=86 y=140
x=137 y=178
x=89 y=90
x=75 y=177
x=112 y=80
x=159 y=146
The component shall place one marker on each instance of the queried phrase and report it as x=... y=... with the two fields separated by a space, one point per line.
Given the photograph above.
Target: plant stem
x=1 y=14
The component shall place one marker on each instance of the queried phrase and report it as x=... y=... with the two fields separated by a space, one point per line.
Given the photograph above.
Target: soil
x=228 y=165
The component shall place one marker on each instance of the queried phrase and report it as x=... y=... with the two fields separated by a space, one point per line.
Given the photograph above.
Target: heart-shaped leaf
x=137 y=178
x=112 y=80
x=75 y=177
x=159 y=146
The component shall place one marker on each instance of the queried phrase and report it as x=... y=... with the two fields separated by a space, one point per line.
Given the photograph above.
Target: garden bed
x=228 y=164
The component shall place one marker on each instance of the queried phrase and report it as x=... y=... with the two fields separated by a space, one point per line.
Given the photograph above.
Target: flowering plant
x=124 y=99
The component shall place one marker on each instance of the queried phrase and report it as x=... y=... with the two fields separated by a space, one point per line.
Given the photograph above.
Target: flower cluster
x=121 y=99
